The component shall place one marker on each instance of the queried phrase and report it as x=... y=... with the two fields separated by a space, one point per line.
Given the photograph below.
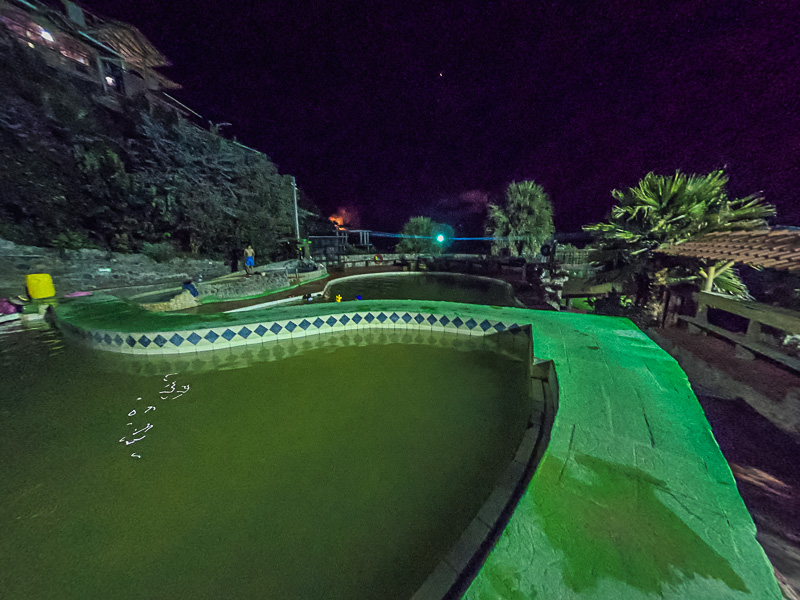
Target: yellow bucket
x=40 y=285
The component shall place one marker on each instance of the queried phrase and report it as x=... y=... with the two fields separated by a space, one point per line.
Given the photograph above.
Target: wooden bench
x=750 y=343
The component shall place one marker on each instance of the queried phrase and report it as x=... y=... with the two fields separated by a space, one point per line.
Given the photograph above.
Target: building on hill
x=113 y=56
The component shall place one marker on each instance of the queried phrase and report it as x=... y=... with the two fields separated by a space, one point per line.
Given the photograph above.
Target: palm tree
x=524 y=222
x=669 y=210
x=421 y=232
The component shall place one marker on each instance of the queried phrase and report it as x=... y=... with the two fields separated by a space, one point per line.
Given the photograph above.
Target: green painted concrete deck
x=632 y=499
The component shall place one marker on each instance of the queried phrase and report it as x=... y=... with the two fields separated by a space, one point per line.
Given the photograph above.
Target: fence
x=768 y=327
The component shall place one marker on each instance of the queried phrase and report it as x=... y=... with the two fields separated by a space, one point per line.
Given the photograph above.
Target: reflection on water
x=29 y=341
x=172 y=391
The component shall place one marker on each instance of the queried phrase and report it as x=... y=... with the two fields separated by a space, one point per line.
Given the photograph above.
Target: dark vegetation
x=76 y=173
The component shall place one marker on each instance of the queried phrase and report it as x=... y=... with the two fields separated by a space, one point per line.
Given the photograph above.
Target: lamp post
x=296 y=217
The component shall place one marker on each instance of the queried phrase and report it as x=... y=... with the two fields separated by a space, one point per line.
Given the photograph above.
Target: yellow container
x=40 y=285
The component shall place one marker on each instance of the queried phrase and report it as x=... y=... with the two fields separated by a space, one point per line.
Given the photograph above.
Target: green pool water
x=339 y=472
x=445 y=287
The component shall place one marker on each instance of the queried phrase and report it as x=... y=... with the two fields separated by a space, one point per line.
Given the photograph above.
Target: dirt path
x=764 y=460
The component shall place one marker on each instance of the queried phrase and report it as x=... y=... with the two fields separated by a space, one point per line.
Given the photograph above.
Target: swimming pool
x=632 y=497
x=340 y=469
x=446 y=287
x=400 y=285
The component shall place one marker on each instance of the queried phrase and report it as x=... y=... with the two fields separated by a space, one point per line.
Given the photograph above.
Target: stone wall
x=222 y=289
x=86 y=269
x=179 y=302
x=259 y=283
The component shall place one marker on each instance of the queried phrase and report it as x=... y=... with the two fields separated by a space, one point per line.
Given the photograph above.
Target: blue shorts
x=249 y=262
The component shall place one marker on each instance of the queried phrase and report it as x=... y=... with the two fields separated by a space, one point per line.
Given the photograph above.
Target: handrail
x=752 y=342
x=772 y=316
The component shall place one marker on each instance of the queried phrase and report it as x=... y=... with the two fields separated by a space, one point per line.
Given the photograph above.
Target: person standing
x=249 y=259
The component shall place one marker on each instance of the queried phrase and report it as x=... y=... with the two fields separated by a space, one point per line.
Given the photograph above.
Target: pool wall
x=265 y=330
x=505 y=344
x=458 y=568
x=632 y=498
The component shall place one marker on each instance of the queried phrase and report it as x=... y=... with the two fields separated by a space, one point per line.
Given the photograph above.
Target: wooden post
x=708 y=284
x=701 y=316
x=702 y=310
x=753 y=331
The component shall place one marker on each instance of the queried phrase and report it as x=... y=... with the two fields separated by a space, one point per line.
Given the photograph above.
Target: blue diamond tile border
x=236 y=335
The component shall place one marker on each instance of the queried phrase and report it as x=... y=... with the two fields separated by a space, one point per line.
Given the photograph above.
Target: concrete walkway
x=633 y=498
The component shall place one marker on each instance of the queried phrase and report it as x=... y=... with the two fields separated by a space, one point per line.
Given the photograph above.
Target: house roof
x=130 y=43
x=771 y=248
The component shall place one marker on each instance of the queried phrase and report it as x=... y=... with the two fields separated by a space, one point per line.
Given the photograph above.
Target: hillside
x=77 y=172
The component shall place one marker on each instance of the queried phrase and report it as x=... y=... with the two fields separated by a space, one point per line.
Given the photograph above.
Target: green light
x=440 y=238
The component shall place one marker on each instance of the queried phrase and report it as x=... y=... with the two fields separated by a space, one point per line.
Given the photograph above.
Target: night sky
x=402 y=108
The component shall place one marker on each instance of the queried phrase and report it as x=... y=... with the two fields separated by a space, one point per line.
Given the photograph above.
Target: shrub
x=621 y=306
x=160 y=252
x=72 y=240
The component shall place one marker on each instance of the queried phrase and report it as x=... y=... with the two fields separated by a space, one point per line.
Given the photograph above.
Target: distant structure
x=115 y=59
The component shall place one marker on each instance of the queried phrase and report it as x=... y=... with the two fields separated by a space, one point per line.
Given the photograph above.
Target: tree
x=668 y=210
x=524 y=222
x=423 y=230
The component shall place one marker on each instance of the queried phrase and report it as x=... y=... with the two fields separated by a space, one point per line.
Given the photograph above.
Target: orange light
x=345 y=216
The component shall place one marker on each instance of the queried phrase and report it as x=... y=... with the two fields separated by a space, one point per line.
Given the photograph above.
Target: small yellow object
x=40 y=285
x=338 y=297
